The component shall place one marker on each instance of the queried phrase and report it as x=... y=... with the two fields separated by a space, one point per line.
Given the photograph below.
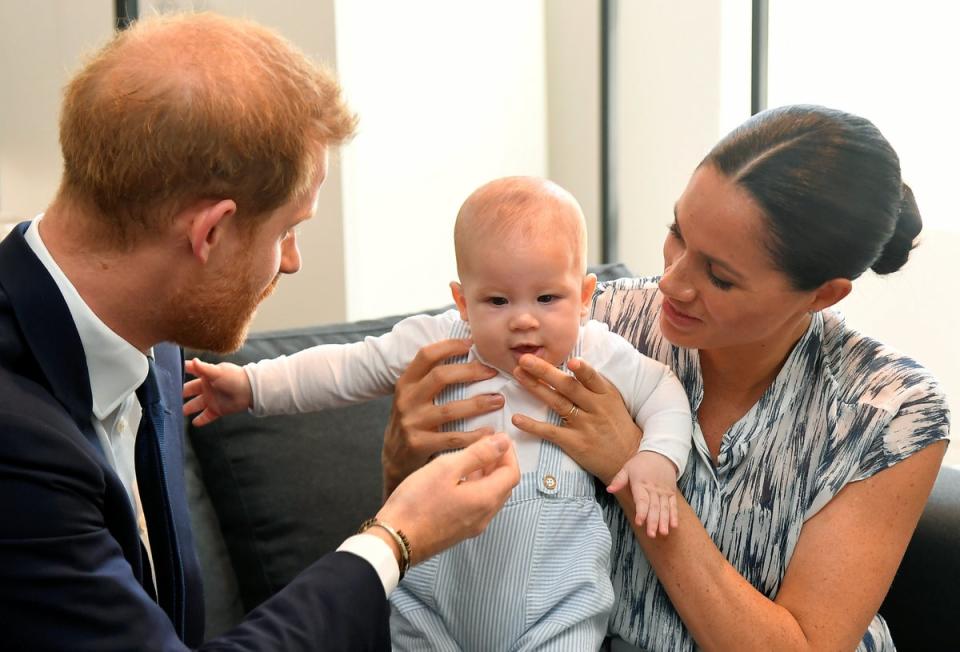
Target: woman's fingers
x=434 y=416
x=554 y=399
x=588 y=376
x=432 y=354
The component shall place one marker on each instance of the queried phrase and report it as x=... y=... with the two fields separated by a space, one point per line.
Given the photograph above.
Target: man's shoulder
x=26 y=403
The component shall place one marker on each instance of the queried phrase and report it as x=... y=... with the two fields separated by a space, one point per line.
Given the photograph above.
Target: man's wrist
x=394 y=537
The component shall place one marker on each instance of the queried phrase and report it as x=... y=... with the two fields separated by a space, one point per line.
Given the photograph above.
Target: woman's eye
x=674 y=230
x=497 y=301
x=719 y=282
x=546 y=298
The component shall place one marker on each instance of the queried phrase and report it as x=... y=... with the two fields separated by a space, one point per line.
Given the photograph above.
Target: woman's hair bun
x=897 y=250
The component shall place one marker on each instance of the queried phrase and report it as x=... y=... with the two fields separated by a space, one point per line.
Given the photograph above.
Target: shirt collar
x=115 y=366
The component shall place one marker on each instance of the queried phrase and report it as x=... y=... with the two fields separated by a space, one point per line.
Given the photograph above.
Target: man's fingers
x=482 y=454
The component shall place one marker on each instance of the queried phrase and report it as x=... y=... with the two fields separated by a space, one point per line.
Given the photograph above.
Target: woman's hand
x=412 y=436
x=599 y=433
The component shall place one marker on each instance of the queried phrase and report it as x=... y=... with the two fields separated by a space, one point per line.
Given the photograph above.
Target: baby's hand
x=653 y=483
x=217 y=390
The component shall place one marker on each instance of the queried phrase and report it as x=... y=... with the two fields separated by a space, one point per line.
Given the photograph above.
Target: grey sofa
x=271 y=495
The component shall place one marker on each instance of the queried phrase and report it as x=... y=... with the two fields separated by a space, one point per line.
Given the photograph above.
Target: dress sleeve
x=332 y=375
x=922 y=419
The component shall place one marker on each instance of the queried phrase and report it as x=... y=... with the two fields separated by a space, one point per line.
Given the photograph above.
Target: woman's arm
x=841 y=569
x=843 y=564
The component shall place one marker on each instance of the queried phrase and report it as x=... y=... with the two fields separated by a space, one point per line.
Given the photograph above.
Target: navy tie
x=152 y=486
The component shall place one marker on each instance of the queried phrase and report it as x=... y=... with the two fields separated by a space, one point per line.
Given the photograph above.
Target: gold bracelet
x=397 y=535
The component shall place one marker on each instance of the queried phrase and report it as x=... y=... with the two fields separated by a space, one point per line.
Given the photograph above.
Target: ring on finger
x=572 y=412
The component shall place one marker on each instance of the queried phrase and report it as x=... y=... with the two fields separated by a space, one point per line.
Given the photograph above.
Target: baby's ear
x=458 y=298
x=586 y=293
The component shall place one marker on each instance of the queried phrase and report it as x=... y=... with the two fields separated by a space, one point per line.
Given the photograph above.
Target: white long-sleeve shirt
x=332 y=375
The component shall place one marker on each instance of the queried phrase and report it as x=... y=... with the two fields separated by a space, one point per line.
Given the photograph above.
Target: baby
x=538 y=577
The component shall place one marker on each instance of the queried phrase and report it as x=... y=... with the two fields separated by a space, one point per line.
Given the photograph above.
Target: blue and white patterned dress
x=842 y=408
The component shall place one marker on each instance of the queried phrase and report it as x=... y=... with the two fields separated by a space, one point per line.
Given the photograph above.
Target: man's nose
x=290 y=255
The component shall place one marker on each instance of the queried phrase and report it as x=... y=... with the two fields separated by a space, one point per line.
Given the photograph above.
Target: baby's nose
x=523 y=320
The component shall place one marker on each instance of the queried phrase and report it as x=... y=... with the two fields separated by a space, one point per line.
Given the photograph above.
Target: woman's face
x=720 y=287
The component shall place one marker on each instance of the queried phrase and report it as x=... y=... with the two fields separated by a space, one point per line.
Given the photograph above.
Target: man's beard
x=216 y=316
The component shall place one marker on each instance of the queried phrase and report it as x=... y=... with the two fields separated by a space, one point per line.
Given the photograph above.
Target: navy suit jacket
x=73 y=573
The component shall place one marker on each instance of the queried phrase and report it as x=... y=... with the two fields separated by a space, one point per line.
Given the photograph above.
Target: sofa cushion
x=287 y=489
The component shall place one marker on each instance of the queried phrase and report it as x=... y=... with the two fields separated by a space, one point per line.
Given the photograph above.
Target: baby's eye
x=497 y=301
x=546 y=298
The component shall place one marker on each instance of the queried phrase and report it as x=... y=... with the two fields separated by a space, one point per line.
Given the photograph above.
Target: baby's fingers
x=192 y=388
x=619 y=481
x=653 y=516
x=665 y=515
x=641 y=500
x=195 y=404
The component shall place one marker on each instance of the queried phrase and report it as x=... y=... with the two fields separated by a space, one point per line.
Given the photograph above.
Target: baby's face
x=523 y=297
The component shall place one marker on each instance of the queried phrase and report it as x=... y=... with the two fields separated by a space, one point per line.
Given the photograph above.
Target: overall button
x=549 y=482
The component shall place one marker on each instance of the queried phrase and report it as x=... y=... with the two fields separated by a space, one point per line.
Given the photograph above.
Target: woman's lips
x=678 y=318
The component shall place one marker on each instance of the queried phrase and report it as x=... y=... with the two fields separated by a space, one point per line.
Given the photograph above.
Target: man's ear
x=830 y=293
x=586 y=293
x=458 y=298
x=206 y=224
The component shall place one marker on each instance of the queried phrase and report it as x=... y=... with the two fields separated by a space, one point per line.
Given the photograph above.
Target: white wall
x=573 y=106
x=668 y=114
x=450 y=95
x=897 y=68
x=39 y=50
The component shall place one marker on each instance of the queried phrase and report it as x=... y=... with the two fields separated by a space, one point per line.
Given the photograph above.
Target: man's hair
x=178 y=109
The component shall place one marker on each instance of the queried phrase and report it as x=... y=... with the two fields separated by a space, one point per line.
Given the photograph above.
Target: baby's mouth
x=526 y=348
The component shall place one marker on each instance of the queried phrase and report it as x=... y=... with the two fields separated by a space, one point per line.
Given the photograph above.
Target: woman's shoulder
x=867 y=371
x=634 y=299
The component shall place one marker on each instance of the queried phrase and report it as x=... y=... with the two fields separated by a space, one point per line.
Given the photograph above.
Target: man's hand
x=412 y=436
x=453 y=497
x=217 y=390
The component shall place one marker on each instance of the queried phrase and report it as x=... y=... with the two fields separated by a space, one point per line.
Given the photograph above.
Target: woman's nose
x=674 y=282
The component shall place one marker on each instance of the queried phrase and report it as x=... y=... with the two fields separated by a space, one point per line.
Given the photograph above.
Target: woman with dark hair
x=815 y=446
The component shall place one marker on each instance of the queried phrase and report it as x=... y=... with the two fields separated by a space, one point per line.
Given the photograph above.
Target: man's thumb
x=483 y=453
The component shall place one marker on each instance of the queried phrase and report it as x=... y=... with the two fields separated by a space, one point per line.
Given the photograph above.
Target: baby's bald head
x=519 y=208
